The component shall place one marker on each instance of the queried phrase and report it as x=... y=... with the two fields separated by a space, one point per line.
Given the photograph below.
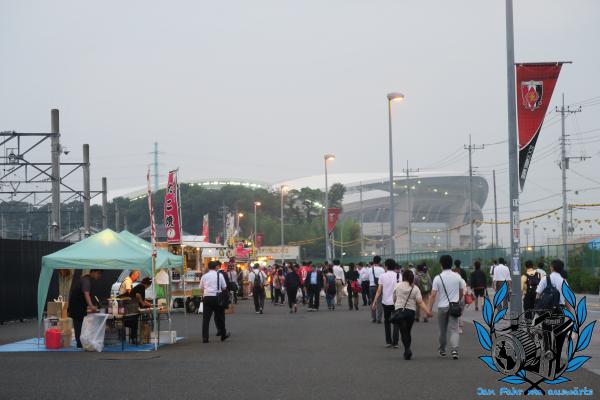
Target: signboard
x=278 y=252
x=172 y=225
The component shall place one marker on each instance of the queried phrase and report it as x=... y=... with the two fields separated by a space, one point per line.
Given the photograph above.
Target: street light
x=239 y=217
x=283 y=189
x=327 y=157
x=392 y=98
x=256 y=204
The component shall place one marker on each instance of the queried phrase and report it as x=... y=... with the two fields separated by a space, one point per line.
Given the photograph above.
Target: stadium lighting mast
x=393 y=97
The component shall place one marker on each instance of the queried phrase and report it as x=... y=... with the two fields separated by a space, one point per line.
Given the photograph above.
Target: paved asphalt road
x=334 y=355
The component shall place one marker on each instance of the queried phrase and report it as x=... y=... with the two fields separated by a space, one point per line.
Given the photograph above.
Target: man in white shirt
x=364 y=283
x=501 y=276
x=385 y=291
x=211 y=284
x=257 y=280
x=556 y=279
x=451 y=288
x=340 y=281
x=374 y=272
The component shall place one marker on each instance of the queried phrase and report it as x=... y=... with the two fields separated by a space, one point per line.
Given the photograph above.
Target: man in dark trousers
x=80 y=301
x=315 y=282
x=211 y=284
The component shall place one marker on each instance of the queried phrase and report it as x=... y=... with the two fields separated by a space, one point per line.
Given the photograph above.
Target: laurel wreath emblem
x=493 y=314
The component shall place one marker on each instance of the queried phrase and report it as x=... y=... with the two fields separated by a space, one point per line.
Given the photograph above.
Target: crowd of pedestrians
x=396 y=296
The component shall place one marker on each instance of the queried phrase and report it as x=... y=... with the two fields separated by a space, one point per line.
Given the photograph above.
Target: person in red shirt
x=304 y=271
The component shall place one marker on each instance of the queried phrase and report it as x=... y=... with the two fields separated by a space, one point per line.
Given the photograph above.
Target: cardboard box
x=166 y=337
x=57 y=309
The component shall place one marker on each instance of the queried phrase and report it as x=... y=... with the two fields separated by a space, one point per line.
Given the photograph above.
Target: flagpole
x=153 y=240
x=513 y=166
x=179 y=206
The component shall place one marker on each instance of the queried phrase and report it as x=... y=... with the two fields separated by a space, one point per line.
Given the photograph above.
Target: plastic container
x=53 y=338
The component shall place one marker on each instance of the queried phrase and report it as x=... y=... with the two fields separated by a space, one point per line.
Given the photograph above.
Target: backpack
x=424 y=283
x=549 y=298
x=257 y=284
x=532 y=283
x=331 y=284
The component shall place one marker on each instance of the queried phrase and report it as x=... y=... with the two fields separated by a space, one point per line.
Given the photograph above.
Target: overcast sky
x=262 y=89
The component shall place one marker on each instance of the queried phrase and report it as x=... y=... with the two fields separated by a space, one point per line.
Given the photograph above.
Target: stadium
x=439 y=206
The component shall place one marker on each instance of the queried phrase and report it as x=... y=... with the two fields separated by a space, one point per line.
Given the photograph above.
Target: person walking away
x=340 y=281
x=478 y=284
x=459 y=270
x=257 y=279
x=304 y=271
x=423 y=282
x=385 y=297
x=278 y=285
x=330 y=288
x=407 y=296
x=292 y=283
x=364 y=283
x=450 y=288
x=354 y=287
x=211 y=284
x=233 y=282
x=529 y=283
x=80 y=301
x=374 y=272
x=501 y=276
x=315 y=282
x=556 y=280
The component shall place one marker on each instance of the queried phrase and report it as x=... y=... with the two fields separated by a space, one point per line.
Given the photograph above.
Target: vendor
x=127 y=285
x=80 y=301
x=139 y=293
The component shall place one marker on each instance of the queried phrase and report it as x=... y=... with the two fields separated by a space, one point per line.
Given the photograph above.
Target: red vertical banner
x=332 y=218
x=535 y=84
x=205 y=227
x=172 y=223
x=151 y=212
x=259 y=240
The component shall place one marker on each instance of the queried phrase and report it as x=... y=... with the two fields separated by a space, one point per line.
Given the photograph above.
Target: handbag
x=454 y=309
x=223 y=299
x=401 y=313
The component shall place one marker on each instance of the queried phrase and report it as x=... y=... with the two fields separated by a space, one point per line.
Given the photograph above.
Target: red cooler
x=53 y=337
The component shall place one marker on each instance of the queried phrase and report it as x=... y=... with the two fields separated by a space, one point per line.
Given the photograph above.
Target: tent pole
x=154 y=326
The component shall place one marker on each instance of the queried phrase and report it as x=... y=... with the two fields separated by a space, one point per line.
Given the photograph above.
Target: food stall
x=105 y=250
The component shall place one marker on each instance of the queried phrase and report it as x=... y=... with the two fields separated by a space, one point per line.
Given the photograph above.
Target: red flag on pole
x=172 y=223
x=535 y=84
x=332 y=218
x=205 y=227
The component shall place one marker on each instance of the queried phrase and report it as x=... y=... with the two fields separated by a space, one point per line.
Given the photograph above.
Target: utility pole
x=55 y=152
x=362 y=235
x=470 y=148
x=117 y=218
x=495 y=209
x=104 y=204
x=564 y=165
x=86 y=190
x=408 y=208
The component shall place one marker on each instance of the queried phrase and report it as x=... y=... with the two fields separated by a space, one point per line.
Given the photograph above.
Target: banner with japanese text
x=172 y=223
x=332 y=218
x=535 y=84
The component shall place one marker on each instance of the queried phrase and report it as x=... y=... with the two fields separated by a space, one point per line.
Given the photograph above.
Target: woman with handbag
x=407 y=297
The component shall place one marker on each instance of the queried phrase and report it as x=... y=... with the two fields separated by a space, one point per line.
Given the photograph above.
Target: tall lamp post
x=327 y=157
x=256 y=204
x=393 y=97
x=239 y=221
x=283 y=188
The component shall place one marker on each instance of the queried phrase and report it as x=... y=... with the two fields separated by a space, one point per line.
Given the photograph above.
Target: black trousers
x=405 y=326
x=77 y=323
x=259 y=298
x=292 y=293
x=314 y=296
x=365 y=293
x=211 y=307
x=352 y=297
x=387 y=313
x=303 y=289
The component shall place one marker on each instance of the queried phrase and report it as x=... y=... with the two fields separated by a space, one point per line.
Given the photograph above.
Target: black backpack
x=532 y=283
x=549 y=298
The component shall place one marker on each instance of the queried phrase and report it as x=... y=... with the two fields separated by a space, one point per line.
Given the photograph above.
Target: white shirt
x=387 y=281
x=541 y=272
x=261 y=275
x=374 y=272
x=208 y=283
x=492 y=268
x=501 y=273
x=338 y=271
x=453 y=283
x=363 y=274
x=557 y=282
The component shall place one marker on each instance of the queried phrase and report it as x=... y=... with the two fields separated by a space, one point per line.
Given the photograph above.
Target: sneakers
x=443 y=353
x=408 y=355
x=389 y=345
x=425 y=320
x=396 y=346
x=454 y=355
x=261 y=311
x=258 y=312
